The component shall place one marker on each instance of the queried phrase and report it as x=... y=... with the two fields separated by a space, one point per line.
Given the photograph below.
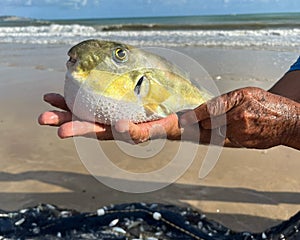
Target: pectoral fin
x=159 y=110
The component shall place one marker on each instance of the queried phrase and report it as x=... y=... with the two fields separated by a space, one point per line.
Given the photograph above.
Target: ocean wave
x=53 y=29
x=71 y=34
x=211 y=26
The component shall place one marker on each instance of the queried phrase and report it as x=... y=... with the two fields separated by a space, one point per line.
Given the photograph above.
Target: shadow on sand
x=84 y=193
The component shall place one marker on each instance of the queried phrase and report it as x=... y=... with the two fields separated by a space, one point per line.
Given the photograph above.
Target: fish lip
x=69 y=64
x=72 y=60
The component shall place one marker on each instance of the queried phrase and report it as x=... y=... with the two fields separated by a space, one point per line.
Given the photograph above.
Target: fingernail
x=53 y=119
x=46 y=96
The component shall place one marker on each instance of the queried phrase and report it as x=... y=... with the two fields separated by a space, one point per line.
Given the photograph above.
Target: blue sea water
x=256 y=31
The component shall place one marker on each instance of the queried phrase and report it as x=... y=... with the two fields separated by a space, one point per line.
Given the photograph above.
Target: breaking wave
x=260 y=31
x=70 y=34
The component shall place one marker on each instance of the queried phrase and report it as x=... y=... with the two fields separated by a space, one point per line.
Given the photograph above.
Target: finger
x=191 y=117
x=205 y=136
x=136 y=132
x=208 y=136
x=127 y=131
x=87 y=129
x=214 y=107
x=56 y=100
x=214 y=136
x=230 y=144
x=165 y=127
x=54 y=118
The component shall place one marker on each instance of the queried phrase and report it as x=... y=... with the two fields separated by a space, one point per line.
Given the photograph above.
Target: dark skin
x=255 y=118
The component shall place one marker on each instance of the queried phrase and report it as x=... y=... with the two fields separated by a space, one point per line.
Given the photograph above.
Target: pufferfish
x=107 y=81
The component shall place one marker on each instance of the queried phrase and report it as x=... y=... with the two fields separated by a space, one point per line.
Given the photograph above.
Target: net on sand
x=129 y=221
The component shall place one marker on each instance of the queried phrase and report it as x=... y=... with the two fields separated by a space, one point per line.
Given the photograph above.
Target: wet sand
x=247 y=190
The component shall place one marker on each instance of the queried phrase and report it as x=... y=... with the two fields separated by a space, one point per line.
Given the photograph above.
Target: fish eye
x=120 y=55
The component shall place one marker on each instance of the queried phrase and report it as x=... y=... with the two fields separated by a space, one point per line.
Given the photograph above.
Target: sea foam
x=271 y=39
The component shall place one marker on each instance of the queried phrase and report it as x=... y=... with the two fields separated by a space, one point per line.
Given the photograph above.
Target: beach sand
x=247 y=190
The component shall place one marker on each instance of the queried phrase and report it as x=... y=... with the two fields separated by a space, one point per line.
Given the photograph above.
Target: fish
x=107 y=81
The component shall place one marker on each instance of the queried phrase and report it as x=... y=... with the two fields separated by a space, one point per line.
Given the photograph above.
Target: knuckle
x=250 y=91
x=216 y=106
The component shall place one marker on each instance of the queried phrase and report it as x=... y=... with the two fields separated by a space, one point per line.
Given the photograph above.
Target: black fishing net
x=129 y=221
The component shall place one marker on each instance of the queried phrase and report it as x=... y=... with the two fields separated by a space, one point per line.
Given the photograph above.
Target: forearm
x=288 y=86
x=292 y=136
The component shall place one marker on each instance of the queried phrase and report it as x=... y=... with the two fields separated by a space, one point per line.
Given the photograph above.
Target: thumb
x=136 y=132
x=214 y=107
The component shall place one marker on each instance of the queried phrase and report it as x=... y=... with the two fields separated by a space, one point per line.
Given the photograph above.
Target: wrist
x=291 y=136
x=294 y=140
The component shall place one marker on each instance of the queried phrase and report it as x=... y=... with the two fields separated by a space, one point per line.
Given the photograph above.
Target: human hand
x=70 y=126
x=254 y=118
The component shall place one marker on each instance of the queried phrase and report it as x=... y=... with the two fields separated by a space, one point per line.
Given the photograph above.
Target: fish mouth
x=71 y=62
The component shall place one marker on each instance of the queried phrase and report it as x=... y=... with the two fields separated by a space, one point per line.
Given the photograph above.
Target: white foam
x=276 y=39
